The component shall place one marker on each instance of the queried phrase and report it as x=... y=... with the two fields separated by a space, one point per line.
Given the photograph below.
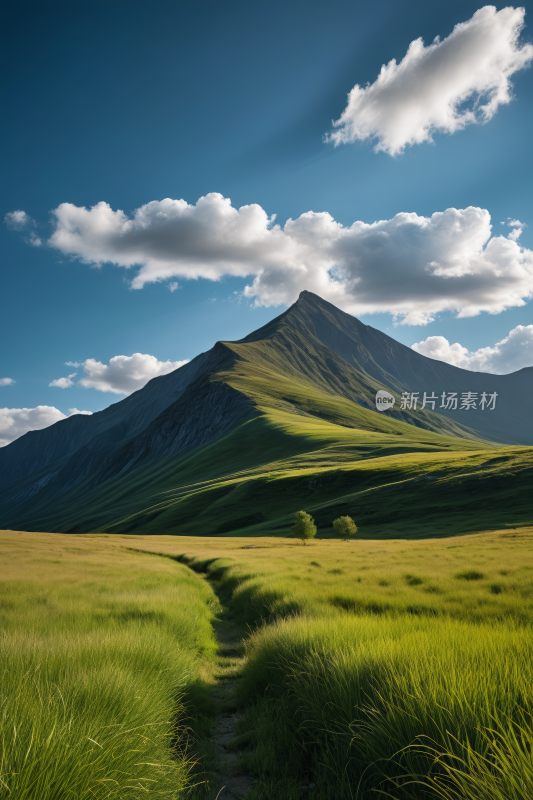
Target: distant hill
x=301 y=386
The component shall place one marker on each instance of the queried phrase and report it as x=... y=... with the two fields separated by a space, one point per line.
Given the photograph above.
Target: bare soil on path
x=233 y=784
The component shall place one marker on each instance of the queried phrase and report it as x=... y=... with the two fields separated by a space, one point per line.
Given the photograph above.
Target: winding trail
x=233 y=784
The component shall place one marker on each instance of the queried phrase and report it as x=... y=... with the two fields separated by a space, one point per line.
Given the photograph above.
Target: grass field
x=397 y=668
x=382 y=666
x=99 y=647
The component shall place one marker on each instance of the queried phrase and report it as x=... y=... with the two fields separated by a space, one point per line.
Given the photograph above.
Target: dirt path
x=233 y=785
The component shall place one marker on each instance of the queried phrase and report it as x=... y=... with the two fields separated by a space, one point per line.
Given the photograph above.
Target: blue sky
x=130 y=103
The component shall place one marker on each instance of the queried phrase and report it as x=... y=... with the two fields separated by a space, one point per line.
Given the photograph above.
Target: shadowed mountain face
x=400 y=369
x=314 y=362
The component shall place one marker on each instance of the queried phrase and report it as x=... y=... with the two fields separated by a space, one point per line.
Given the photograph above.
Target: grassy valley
x=360 y=667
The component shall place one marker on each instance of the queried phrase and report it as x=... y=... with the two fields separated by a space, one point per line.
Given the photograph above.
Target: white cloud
x=517 y=227
x=513 y=352
x=169 y=238
x=64 y=383
x=17 y=219
x=6 y=381
x=14 y=422
x=125 y=374
x=173 y=286
x=411 y=266
x=443 y=87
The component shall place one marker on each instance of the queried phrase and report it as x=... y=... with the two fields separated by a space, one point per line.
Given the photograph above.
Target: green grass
x=408 y=483
x=100 y=648
x=390 y=577
x=371 y=666
x=376 y=666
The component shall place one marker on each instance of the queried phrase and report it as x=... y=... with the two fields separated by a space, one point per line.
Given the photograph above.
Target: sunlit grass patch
x=346 y=670
x=99 y=652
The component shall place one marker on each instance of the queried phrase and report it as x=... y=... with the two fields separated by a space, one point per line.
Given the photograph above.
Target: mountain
x=403 y=369
x=297 y=394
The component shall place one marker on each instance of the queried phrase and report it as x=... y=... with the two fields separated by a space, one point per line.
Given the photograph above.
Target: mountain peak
x=311 y=297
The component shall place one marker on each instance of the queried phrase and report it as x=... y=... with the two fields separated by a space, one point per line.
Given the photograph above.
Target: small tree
x=304 y=526
x=345 y=526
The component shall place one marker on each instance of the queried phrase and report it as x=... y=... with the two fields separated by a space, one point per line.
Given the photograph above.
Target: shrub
x=470 y=575
x=414 y=580
x=304 y=526
x=345 y=526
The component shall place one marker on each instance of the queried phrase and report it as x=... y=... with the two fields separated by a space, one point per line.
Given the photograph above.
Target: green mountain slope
x=265 y=426
x=406 y=482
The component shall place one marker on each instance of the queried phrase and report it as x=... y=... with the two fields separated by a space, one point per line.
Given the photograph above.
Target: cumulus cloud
x=6 y=381
x=169 y=238
x=411 y=266
x=442 y=87
x=18 y=220
x=14 y=422
x=512 y=353
x=64 y=383
x=125 y=374
x=173 y=286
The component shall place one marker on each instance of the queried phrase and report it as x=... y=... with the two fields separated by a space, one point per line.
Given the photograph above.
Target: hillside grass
x=405 y=481
x=100 y=645
x=395 y=666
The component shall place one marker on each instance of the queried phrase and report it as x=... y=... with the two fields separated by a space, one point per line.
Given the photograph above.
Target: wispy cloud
x=6 y=381
x=517 y=227
x=18 y=220
x=442 y=87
